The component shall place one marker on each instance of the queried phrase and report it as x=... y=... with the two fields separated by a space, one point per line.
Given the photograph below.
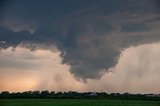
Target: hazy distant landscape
x=79 y=52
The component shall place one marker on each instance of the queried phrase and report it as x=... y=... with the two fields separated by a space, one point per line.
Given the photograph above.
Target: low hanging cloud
x=90 y=35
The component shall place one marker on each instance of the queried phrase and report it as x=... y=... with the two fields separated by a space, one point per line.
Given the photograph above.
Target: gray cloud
x=90 y=35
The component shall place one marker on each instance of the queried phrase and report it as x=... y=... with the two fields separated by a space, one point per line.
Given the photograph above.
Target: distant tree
x=4 y=94
x=58 y=94
x=75 y=95
x=45 y=94
x=36 y=94
x=52 y=93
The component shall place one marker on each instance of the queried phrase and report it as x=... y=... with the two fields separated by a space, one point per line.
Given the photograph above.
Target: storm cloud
x=90 y=34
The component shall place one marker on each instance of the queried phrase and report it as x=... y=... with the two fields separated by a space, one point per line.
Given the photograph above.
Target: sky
x=80 y=45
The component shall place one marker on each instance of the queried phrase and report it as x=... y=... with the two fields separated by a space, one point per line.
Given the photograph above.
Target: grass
x=75 y=102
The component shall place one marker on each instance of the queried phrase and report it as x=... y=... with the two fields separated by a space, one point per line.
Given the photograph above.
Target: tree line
x=76 y=95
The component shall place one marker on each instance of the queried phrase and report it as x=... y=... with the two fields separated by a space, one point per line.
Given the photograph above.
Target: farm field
x=75 y=102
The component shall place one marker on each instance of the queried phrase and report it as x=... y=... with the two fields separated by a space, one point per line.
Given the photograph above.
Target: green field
x=75 y=102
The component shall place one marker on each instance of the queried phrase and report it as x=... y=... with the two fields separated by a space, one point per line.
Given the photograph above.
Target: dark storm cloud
x=90 y=34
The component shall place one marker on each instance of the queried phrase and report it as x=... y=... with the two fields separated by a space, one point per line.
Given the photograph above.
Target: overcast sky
x=80 y=45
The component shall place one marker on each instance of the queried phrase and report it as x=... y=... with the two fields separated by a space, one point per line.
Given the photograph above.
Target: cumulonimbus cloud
x=90 y=35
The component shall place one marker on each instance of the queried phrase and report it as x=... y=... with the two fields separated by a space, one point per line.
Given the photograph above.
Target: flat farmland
x=75 y=102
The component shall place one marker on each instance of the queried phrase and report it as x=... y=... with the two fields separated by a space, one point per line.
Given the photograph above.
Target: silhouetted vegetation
x=76 y=95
